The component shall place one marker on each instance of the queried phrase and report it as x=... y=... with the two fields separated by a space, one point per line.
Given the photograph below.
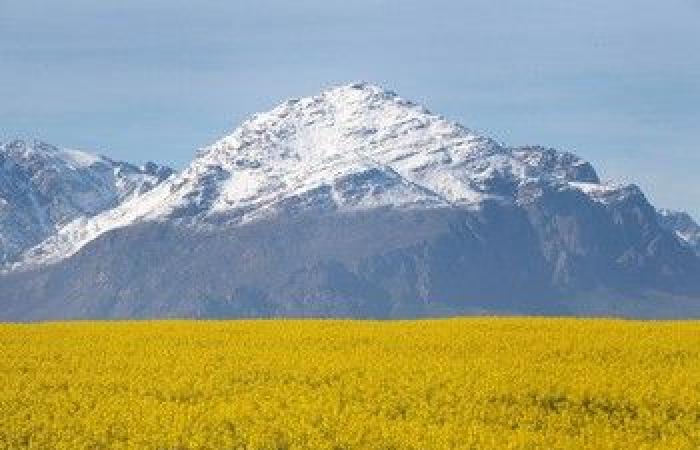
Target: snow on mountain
x=357 y=202
x=683 y=225
x=43 y=188
x=351 y=147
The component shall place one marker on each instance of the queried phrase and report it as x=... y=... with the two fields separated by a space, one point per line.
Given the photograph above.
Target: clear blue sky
x=617 y=82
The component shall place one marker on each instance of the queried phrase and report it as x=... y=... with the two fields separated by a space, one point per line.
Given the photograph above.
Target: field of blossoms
x=279 y=384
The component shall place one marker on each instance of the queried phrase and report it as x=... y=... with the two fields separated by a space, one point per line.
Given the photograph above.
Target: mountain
x=357 y=202
x=42 y=188
x=683 y=225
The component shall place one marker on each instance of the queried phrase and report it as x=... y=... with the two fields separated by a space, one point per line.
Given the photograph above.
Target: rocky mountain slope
x=683 y=225
x=42 y=188
x=357 y=202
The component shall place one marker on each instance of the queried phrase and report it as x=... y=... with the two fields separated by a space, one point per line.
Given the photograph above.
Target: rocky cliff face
x=683 y=226
x=357 y=202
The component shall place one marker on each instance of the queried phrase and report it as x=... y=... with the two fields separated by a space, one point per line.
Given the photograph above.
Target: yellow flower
x=282 y=384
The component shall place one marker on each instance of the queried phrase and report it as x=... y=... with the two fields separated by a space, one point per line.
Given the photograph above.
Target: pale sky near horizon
x=617 y=82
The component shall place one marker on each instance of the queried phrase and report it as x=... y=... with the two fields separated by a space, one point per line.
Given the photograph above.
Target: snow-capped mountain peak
x=304 y=144
x=351 y=147
x=34 y=150
x=353 y=122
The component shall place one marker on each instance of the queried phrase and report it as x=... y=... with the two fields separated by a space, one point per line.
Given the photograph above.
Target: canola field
x=433 y=384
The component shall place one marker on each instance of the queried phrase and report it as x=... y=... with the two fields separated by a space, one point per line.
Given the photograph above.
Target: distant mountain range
x=352 y=203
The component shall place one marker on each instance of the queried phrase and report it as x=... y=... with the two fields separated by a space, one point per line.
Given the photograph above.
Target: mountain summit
x=357 y=202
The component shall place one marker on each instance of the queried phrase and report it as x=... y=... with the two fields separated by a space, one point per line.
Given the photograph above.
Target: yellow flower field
x=434 y=384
